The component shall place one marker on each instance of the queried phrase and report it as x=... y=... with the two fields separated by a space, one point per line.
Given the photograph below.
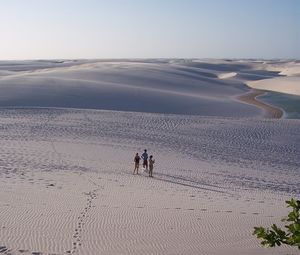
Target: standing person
x=151 y=163
x=145 y=160
x=136 y=163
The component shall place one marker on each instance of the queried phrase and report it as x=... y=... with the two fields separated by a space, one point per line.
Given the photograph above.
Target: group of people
x=146 y=163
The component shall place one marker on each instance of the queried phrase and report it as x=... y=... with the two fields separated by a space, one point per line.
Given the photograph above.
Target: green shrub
x=276 y=236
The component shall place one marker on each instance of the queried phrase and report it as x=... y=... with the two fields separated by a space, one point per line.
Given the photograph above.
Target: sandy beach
x=225 y=161
x=251 y=98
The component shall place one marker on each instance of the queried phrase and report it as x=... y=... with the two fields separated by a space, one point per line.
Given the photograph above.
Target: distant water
x=289 y=103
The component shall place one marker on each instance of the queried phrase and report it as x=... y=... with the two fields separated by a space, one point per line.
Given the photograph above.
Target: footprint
x=22 y=251
x=3 y=249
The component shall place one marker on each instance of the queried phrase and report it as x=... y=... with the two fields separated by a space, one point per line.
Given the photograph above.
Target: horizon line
x=152 y=58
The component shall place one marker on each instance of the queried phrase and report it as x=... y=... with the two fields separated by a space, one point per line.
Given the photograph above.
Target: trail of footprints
x=84 y=214
x=77 y=242
x=77 y=236
x=5 y=250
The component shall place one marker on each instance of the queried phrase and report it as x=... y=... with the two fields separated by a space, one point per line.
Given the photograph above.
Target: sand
x=176 y=86
x=269 y=110
x=69 y=130
x=226 y=75
x=288 y=82
x=66 y=182
x=289 y=85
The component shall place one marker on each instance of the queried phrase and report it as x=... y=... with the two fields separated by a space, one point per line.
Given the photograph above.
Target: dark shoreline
x=270 y=111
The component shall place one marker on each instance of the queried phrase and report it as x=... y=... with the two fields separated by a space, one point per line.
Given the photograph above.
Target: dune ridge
x=176 y=86
x=288 y=82
x=69 y=131
x=226 y=75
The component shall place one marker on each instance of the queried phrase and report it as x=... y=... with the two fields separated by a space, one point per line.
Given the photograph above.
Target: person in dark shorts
x=145 y=160
x=136 y=163
x=151 y=163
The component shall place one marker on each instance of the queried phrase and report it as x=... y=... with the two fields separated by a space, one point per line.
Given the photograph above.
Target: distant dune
x=221 y=167
x=196 y=87
x=288 y=83
x=226 y=75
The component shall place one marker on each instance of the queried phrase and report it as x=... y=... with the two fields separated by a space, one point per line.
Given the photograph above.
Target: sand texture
x=288 y=83
x=225 y=161
x=194 y=87
x=66 y=182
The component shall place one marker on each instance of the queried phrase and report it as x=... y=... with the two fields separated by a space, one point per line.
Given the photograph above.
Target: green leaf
x=277 y=236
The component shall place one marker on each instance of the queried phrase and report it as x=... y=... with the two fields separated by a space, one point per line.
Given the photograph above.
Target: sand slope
x=161 y=86
x=66 y=182
x=289 y=83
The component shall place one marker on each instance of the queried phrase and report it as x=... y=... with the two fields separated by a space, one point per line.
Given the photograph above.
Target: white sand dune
x=198 y=87
x=287 y=68
x=66 y=182
x=289 y=83
x=176 y=86
x=226 y=75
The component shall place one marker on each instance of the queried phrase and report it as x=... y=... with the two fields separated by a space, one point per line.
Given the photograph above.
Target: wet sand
x=269 y=110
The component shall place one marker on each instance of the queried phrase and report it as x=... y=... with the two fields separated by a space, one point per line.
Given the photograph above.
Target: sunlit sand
x=225 y=161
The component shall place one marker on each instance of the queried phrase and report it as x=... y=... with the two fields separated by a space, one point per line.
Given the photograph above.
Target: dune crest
x=178 y=86
x=288 y=82
x=289 y=85
x=227 y=75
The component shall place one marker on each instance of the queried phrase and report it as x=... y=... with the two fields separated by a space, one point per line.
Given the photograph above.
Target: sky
x=64 y=29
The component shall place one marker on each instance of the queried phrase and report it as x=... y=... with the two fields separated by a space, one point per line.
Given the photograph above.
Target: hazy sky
x=31 y=29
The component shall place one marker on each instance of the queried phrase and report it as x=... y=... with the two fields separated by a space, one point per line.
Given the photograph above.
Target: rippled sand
x=66 y=182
